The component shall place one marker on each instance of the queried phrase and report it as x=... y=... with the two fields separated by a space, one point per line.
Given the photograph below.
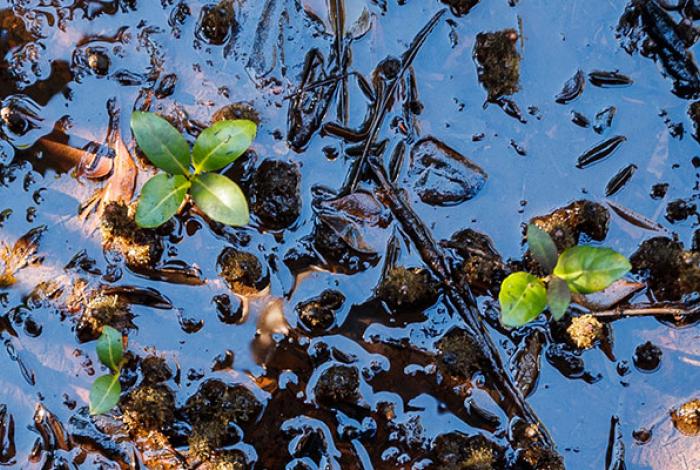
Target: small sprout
x=579 y=269
x=106 y=390
x=219 y=197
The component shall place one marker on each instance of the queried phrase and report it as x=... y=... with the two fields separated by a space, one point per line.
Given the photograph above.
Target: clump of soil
x=680 y=210
x=669 y=271
x=647 y=357
x=498 y=62
x=209 y=412
x=405 y=288
x=100 y=311
x=567 y=224
x=455 y=451
x=686 y=418
x=236 y=111
x=482 y=268
x=318 y=313
x=242 y=271
x=584 y=331
x=217 y=22
x=338 y=384
x=460 y=7
x=154 y=370
x=537 y=458
x=276 y=198
x=459 y=354
x=139 y=247
x=149 y=408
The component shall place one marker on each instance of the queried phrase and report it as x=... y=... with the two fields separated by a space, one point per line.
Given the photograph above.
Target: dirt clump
x=149 y=408
x=456 y=451
x=669 y=271
x=647 y=357
x=338 y=384
x=154 y=370
x=686 y=418
x=459 y=354
x=482 y=267
x=235 y=111
x=584 y=331
x=140 y=247
x=680 y=210
x=217 y=23
x=242 y=271
x=276 y=198
x=567 y=224
x=100 y=311
x=405 y=288
x=318 y=313
x=498 y=62
x=460 y=7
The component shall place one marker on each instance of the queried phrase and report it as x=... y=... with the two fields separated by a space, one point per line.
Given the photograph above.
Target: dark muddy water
x=64 y=60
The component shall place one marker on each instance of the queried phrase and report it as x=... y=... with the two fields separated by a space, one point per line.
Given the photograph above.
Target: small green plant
x=106 y=390
x=217 y=146
x=580 y=270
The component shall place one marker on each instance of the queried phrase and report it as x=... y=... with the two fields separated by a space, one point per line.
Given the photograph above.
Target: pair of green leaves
x=580 y=269
x=217 y=146
x=106 y=390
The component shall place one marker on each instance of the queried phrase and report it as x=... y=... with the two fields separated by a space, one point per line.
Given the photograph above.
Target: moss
x=319 y=312
x=139 y=247
x=567 y=224
x=455 y=451
x=689 y=278
x=459 y=354
x=276 y=198
x=149 y=408
x=498 y=62
x=538 y=458
x=338 y=384
x=584 y=331
x=404 y=287
x=659 y=261
x=482 y=268
x=236 y=111
x=100 y=311
x=155 y=370
x=686 y=418
x=243 y=272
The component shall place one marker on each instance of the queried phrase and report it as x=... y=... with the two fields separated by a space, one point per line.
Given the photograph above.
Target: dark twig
x=646 y=310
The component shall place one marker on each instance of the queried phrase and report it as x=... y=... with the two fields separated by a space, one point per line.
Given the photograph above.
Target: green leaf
x=164 y=146
x=222 y=143
x=588 y=269
x=558 y=297
x=522 y=298
x=220 y=198
x=160 y=199
x=104 y=394
x=542 y=247
x=110 y=348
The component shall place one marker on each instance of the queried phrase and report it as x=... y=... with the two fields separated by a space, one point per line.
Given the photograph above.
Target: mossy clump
x=407 y=288
x=276 y=198
x=482 y=267
x=319 y=313
x=584 y=331
x=210 y=411
x=456 y=451
x=670 y=272
x=459 y=354
x=149 y=408
x=236 y=111
x=242 y=271
x=338 y=384
x=460 y=7
x=140 y=247
x=102 y=310
x=686 y=418
x=689 y=278
x=539 y=458
x=154 y=370
x=498 y=62
x=567 y=224
x=217 y=23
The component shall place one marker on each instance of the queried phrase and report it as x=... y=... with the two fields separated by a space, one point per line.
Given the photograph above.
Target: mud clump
x=498 y=62
x=149 y=408
x=584 y=331
x=680 y=210
x=566 y=225
x=456 y=451
x=647 y=357
x=459 y=354
x=210 y=410
x=276 y=198
x=686 y=418
x=537 y=458
x=217 y=23
x=482 y=268
x=101 y=311
x=235 y=111
x=405 y=288
x=140 y=248
x=155 y=370
x=338 y=384
x=460 y=7
x=242 y=271
x=670 y=272
x=318 y=313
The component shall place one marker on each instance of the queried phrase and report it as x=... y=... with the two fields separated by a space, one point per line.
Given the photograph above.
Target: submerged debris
x=236 y=111
x=600 y=151
x=101 y=311
x=406 y=288
x=686 y=418
x=566 y=225
x=572 y=88
x=276 y=199
x=338 y=384
x=456 y=451
x=459 y=354
x=242 y=271
x=647 y=357
x=141 y=248
x=217 y=23
x=669 y=271
x=498 y=62
x=606 y=79
x=460 y=7
x=584 y=331
x=318 y=313
x=482 y=267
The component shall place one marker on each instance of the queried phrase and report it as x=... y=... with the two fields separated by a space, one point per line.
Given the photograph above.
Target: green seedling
x=106 y=390
x=190 y=172
x=579 y=270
